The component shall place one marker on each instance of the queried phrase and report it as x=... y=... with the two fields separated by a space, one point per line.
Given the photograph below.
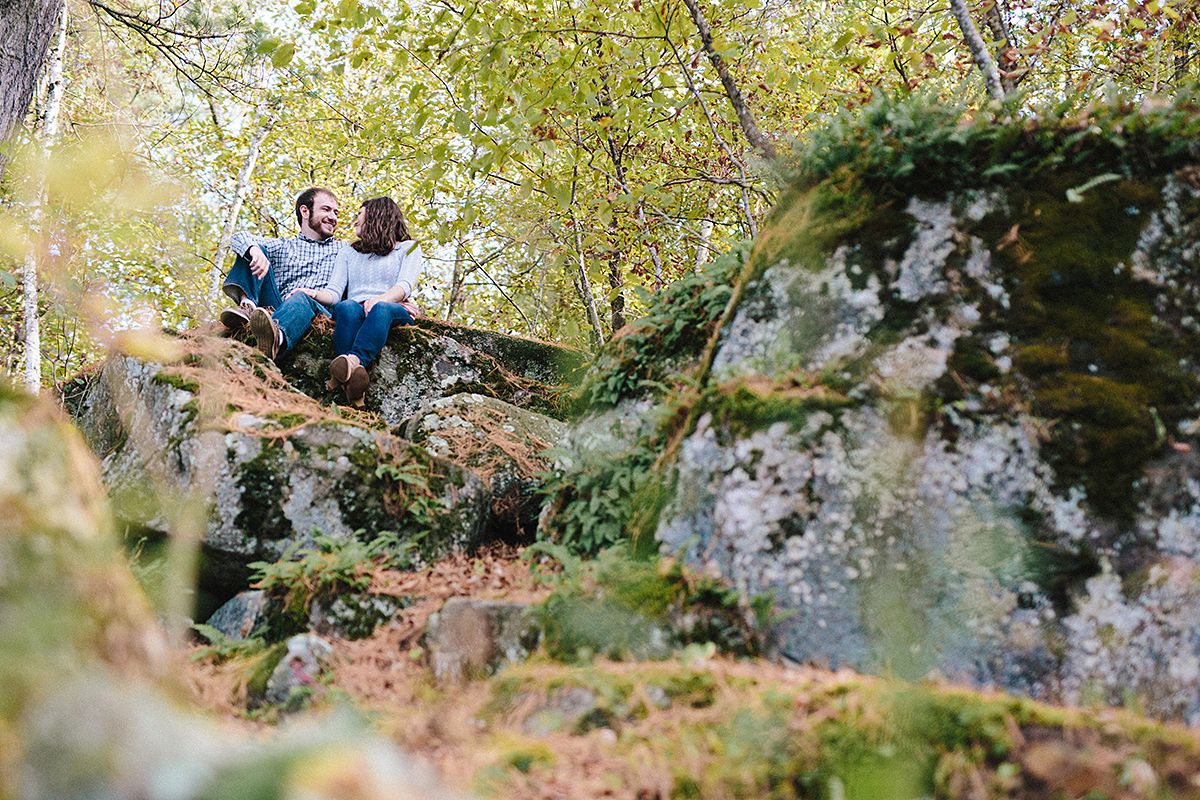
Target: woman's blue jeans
x=361 y=334
x=295 y=317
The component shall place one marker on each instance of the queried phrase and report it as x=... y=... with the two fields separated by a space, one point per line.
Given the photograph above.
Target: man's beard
x=317 y=226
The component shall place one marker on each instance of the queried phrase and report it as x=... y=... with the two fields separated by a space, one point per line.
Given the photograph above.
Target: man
x=268 y=270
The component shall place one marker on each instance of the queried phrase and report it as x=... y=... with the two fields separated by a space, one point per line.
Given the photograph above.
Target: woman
x=378 y=273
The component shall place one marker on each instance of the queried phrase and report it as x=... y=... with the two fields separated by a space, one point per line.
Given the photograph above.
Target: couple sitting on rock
x=280 y=285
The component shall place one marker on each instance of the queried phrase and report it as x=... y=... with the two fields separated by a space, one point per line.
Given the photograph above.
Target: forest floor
x=705 y=726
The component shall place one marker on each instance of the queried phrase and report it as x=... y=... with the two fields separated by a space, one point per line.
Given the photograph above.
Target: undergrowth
x=329 y=568
x=621 y=606
x=671 y=335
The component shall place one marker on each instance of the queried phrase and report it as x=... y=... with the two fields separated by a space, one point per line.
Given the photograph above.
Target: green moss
x=262 y=481
x=165 y=378
x=264 y=664
x=287 y=419
x=810 y=220
x=744 y=406
x=1085 y=340
x=1039 y=359
x=692 y=689
x=897 y=147
x=621 y=606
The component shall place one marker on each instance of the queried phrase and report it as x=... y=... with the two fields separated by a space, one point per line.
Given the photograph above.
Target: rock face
x=434 y=359
x=271 y=483
x=950 y=421
x=503 y=444
x=227 y=431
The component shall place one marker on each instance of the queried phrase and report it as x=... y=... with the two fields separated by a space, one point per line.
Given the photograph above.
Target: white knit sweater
x=365 y=275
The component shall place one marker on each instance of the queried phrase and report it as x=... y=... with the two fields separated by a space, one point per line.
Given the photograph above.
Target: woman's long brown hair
x=382 y=227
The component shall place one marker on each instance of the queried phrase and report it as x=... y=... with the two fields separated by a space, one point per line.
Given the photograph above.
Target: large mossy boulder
x=224 y=431
x=432 y=359
x=948 y=416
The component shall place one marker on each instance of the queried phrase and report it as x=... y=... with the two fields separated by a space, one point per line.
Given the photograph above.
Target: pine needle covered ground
x=704 y=726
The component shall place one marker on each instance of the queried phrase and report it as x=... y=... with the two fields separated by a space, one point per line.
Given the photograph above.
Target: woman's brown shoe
x=356 y=385
x=340 y=369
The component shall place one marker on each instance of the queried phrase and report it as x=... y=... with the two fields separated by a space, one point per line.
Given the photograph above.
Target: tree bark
x=706 y=229
x=616 y=282
x=991 y=75
x=745 y=117
x=456 y=285
x=1005 y=46
x=48 y=136
x=1182 y=58
x=584 y=287
x=239 y=196
x=26 y=28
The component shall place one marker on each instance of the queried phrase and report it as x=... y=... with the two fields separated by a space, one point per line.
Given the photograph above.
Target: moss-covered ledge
x=436 y=359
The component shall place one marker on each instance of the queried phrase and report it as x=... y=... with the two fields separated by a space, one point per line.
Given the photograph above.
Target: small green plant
x=222 y=648
x=410 y=482
x=595 y=500
x=331 y=567
x=665 y=341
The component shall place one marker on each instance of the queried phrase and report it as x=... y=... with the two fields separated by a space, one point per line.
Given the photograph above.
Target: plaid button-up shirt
x=296 y=262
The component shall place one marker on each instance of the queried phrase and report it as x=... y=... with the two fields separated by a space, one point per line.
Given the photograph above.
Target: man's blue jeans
x=295 y=316
x=361 y=334
x=241 y=280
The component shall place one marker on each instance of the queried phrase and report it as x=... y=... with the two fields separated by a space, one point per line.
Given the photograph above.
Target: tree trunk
x=239 y=196
x=991 y=75
x=745 y=116
x=1182 y=57
x=456 y=285
x=584 y=287
x=706 y=229
x=48 y=136
x=26 y=28
x=616 y=282
x=1004 y=47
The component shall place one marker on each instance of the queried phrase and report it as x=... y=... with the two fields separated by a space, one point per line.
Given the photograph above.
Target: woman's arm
x=406 y=276
x=338 y=279
x=410 y=271
x=323 y=296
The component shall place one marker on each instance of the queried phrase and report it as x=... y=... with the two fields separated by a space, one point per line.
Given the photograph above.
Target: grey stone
x=298 y=671
x=352 y=615
x=240 y=615
x=470 y=638
x=99 y=736
x=434 y=359
x=911 y=491
x=565 y=709
x=505 y=445
x=91 y=703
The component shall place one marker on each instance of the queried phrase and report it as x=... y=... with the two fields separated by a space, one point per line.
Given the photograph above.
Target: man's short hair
x=308 y=199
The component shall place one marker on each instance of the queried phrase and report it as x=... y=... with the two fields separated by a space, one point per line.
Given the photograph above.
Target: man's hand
x=258 y=261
